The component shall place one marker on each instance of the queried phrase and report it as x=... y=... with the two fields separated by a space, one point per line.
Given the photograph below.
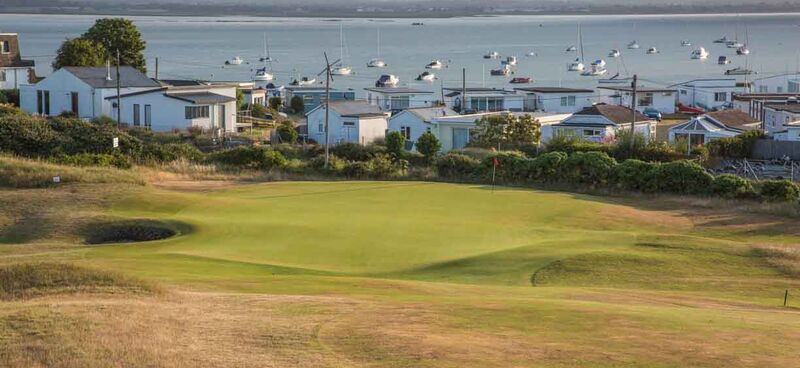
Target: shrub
x=682 y=177
x=780 y=191
x=456 y=165
x=164 y=153
x=731 y=186
x=547 y=166
x=287 y=133
x=335 y=164
x=512 y=165
x=250 y=157
x=8 y=110
x=568 y=143
x=633 y=174
x=395 y=143
x=299 y=151
x=415 y=158
x=357 y=170
x=296 y=103
x=356 y=152
x=428 y=145
x=275 y=102
x=591 y=168
x=740 y=146
x=385 y=166
x=94 y=159
x=258 y=111
x=27 y=136
x=78 y=136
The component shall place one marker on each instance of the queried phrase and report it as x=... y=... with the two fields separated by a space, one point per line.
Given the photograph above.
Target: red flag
x=496 y=162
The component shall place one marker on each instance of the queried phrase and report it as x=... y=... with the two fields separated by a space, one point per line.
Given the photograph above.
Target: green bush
x=740 y=146
x=568 y=143
x=356 y=152
x=591 y=168
x=456 y=165
x=164 y=153
x=547 y=166
x=682 y=177
x=78 y=136
x=357 y=170
x=633 y=174
x=28 y=136
x=275 y=102
x=335 y=164
x=250 y=157
x=258 y=111
x=428 y=145
x=291 y=151
x=6 y=110
x=415 y=158
x=731 y=187
x=296 y=103
x=780 y=191
x=384 y=166
x=94 y=159
x=287 y=133
x=512 y=165
x=395 y=143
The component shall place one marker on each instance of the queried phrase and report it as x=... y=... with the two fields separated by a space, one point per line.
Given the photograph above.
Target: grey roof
x=96 y=77
x=790 y=107
x=638 y=89
x=616 y=114
x=181 y=82
x=427 y=114
x=352 y=108
x=397 y=90
x=457 y=91
x=554 y=90
x=201 y=98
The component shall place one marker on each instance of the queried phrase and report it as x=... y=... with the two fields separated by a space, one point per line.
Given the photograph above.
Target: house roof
x=427 y=114
x=789 y=107
x=765 y=96
x=704 y=80
x=733 y=118
x=615 y=113
x=457 y=91
x=96 y=77
x=708 y=123
x=201 y=98
x=554 y=90
x=180 y=82
x=638 y=89
x=352 y=108
x=397 y=90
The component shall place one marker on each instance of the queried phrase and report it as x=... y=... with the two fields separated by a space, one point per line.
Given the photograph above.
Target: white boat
x=427 y=77
x=503 y=71
x=597 y=68
x=387 y=80
x=699 y=54
x=492 y=55
x=435 y=64
x=235 y=61
x=341 y=68
x=614 y=53
x=743 y=51
x=377 y=62
x=652 y=50
x=571 y=48
x=262 y=75
x=633 y=45
x=724 y=39
x=576 y=66
x=531 y=53
x=686 y=43
x=305 y=81
x=510 y=60
x=266 y=58
x=734 y=44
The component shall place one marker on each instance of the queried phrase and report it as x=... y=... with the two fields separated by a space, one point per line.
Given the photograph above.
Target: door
x=73 y=96
x=222 y=117
x=148 y=122
x=460 y=138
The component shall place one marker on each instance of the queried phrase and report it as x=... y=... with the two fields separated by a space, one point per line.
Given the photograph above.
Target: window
x=763 y=89
x=486 y=103
x=196 y=112
x=47 y=102
x=406 y=132
x=592 y=132
x=321 y=128
x=73 y=96
x=2 y=75
x=645 y=99
x=683 y=91
x=349 y=123
x=148 y=116
x=5 y=47
x=794 y=86
x=720 y=96
x=399 y=103
x=568 y=101
x=136 y=113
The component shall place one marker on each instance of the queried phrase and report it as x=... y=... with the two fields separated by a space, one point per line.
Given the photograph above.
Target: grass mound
x=26 y=280
x=129 y=231
x=26 y=173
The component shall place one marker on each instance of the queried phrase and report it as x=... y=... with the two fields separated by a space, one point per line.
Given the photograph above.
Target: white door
x=460 y=138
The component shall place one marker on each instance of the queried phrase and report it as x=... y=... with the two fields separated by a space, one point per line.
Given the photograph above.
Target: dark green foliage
x=27 y=136
x=335 y=164
x=119 y=34
x=94 y=159
x=395 y=143
x=6 y=110
x=164 y=153
x=275 y=102
x=593 y=168
x=428 y=145
x=505 y=130
x=296 y=103
x=547 y=166
x=357 y=170
x=384 y=166
x=80 y=52
x=732 y=187
x=513 y=166
x=633 y=174
x=779 y=191
x=9 y=96
x=78 y=136
x=287 y=133
x=568 y=144
x=250 y=157
x=301 y=152
x=681 y=177
x=456 y=165
x=740 y=146
x=415 y=158
x=258 y=111
x=357 y=152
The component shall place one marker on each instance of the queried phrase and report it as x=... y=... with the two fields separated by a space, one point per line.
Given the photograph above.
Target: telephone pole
x=463 y=90
x=633 y=114
x=119 y=96
x=156 y=68
x=327 y=108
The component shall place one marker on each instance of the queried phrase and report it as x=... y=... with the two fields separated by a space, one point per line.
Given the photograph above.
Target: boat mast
x=580 y=41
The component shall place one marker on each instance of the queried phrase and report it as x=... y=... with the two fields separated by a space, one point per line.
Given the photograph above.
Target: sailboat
x=597 y=68
x=341 y=69
x=262 y=75
x=699 y=54
x=377 y=62
x=743 y=50
x=577 y=65
x=633 y=45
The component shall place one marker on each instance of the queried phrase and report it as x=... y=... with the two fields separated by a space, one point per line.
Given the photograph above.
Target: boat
x=427 y=77
x=723 y=60
x=699 y=54
x=510 y=60
x=613 y=53
x=266 y=58
x=492 y=55
x=377 y=62
x=305 y=81
x=435 y=64
x=417 y=24
x=652 y=50
x=739 y=71
x=341 y=68
x=685 y=43
x=734 y=44
x=724 y=39
x=633 y=45
x=504 y=70
x=235 y=61
x=743 y=50
x=615 y=79
x=521 y=80
x=571 y=48
x=387 y=80
x=531 y=53
x=262 y=75
x=597 y=68
x=576 y=66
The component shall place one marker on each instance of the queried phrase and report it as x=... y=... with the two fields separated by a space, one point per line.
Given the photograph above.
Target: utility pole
x=156 y=68
x=463 y=90
x=327 y=108
x=119 y=97
x=633 y=109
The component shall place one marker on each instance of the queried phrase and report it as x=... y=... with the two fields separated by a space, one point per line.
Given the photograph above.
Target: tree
x=80 y=52
x=287 y=133
x=395 y=143
x=275 y=102
x=297 y=104
x=490 y=130
x=523 y=131
x=240 y=104
x=119 y=34
x=428 y=145
x=258 y=111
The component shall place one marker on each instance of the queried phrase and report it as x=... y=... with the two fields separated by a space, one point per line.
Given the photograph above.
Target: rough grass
x=28 y=173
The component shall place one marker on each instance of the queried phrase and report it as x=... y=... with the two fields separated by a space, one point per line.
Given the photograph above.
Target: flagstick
x=494 y=169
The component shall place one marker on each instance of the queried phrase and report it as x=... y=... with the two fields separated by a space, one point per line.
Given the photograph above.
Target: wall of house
x=12 y=78
x=775 y=120
x=383 y=100
x=791 y=134
x=407 y=119
x=371 y=128
x=664 y=102
x=552 y=102
x=701 y=94
x=170 y=113
x=313 y=99
x=777 y=84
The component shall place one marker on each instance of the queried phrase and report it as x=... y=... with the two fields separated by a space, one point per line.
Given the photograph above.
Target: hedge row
x=598 y=169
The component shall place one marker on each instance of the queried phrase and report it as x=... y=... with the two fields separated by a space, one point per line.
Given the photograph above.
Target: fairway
x=418 y=274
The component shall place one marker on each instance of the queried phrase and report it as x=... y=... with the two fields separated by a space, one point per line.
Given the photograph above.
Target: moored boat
x=387 y=80
x=739 y=71
x=633 y=45
x=652 y=50
x=613 y=53
x=699 y=54
x=521 y=80
x=235 y=61
x=427 y=77
x=510 y=60
x=503 y=71
x=723 y=60
x=492 y=55
x=435 y=64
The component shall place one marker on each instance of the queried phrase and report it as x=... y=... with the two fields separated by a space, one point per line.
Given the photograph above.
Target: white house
x=254 y=95
x=481 y=99
x=81 y=90
x=781 y=83
x=14 y=71
x=777 y=116
x=707 y=127
x=210 y=107
x=790 y=132
x=753 y=103
x=412 y=123
x=395 y=99
x=601 y=123
x=555 y=99
x=349 y=121
x=453 y=131
x=661 y=99
x=708 y=94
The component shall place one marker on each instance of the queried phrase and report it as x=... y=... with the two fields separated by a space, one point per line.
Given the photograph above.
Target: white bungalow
x=396 y=99
x=777 y=116
x=781 y=83
x=14 y=71
x=483 y=100
x=555 y=99
x=661 y=99
x=82 y=91
x=708 y=94
x=454 y=131
x=707 y=127
x=349 y=121
x=601 y=123
x=753 y=103
x=412 y=123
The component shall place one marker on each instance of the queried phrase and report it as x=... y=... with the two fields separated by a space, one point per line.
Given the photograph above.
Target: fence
x=767 y=149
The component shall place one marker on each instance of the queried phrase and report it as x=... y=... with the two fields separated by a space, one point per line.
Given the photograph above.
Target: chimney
x=108 y=70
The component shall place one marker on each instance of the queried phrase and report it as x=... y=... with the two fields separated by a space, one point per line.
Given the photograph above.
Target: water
x=196 y=47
